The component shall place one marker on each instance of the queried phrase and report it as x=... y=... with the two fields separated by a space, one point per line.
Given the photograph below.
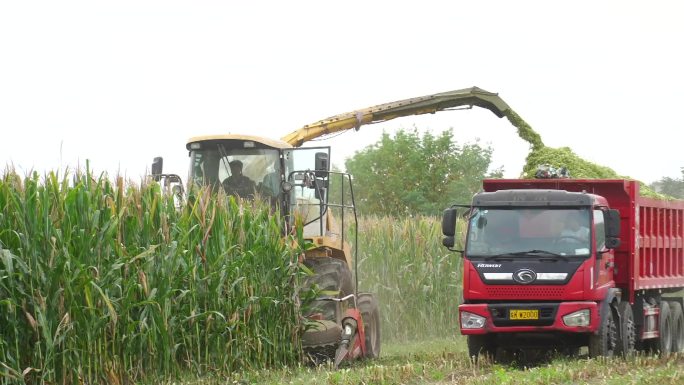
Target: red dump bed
x=652 y=251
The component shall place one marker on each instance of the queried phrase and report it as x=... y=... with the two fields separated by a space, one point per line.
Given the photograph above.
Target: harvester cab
x=240 y=165
x=295 y=180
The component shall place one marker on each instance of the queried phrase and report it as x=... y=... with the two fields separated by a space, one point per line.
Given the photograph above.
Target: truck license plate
x=524 y=314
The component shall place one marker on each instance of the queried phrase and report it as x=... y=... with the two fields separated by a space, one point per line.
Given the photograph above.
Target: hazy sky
x=121 y=82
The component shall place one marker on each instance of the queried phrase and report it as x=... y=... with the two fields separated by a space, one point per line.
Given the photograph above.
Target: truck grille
x=526 y=292
x=500 y=314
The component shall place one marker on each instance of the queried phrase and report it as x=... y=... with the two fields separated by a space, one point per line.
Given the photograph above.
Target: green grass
x=401 y=362
x=444 y=361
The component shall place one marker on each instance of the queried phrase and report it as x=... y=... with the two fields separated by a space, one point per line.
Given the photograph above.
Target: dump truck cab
x=540 y=247
x=538 y=266
x=507 y=224
x=535 y=279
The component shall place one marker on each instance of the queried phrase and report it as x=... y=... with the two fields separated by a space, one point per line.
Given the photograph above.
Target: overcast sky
x=121 y=82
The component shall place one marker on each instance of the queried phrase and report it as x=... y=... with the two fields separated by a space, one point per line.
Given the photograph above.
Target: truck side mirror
x=612 y=223
x=612 y=243
x=449 y=222
x=449 y=227
x=157 y=167
x=321 y=164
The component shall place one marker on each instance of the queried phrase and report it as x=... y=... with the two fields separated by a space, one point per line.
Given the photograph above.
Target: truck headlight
x=472 y=321
x=578 y=318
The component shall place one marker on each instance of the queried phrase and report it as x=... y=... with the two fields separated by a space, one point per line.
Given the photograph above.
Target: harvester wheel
x=677 y=327
x=333 y=278
x=370 y=313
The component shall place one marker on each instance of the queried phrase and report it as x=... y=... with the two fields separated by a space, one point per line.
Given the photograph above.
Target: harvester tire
x=370 y=313
x=333 y=278
x=677 y=327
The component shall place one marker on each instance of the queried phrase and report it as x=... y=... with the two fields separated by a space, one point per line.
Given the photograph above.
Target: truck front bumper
x=514 y=317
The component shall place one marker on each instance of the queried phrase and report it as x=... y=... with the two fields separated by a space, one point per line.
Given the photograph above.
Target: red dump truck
x=558 y=264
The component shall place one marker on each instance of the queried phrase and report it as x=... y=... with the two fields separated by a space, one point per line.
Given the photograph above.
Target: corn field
x=417 y=280
x=107 y=282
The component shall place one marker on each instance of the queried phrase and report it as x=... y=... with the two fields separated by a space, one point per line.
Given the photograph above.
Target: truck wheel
x=604 y=342
x=571 y=352
x=677 y=327
x=507 y=356
x=627 y=340
x=664 y=342
x=370 y=313
x=481 y=345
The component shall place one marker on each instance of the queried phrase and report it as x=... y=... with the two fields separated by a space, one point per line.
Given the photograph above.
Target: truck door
x=605 y=262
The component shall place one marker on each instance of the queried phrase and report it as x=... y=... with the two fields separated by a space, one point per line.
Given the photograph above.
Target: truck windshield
x=244 y=172
x=528 y=231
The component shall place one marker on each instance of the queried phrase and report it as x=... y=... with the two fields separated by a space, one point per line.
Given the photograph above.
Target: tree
x=407 y=174
x=670 y=186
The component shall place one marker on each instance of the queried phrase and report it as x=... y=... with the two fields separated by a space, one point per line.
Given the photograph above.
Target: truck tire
x=663 y=344
x=481 y=345
x=627 y=339
x=677 y=327
x=604 y=342
x=333 y=278
x=508 y=356
x=370 y=313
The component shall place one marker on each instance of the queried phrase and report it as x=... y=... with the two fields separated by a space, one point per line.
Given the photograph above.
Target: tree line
x=673 y=187
x=409 y=173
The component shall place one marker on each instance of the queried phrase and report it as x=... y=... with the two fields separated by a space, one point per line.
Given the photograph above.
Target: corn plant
x=107 y=282
x=416 y=279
